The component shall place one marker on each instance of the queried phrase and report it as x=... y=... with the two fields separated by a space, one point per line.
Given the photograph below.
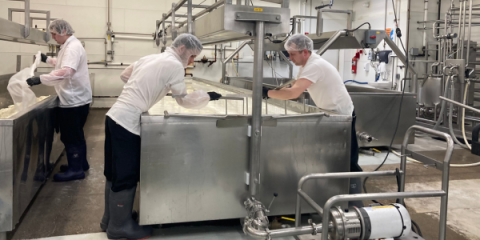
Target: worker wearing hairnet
x=324 y=84
x=147 y=81
x=72 y=84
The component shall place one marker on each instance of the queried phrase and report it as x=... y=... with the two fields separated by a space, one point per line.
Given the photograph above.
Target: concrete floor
x=72 y=210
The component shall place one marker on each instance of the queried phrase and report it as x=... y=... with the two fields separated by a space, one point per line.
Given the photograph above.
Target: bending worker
x=72 y=84
x=322 y=80
x=147 y=81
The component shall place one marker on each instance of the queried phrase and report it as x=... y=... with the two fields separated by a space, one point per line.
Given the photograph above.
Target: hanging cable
x=399 y=35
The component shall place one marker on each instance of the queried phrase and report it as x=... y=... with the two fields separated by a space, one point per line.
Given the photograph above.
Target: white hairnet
x=62 y=27
x=298 y=42
x=193 y=46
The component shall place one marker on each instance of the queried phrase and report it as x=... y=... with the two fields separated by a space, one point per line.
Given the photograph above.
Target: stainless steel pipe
x=256 y=130
x=445 y=171
x=460 y=104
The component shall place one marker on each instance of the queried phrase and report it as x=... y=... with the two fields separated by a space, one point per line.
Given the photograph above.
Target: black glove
x=265 y=92
x=44 y=58
x=214 y=96
x=33 y=81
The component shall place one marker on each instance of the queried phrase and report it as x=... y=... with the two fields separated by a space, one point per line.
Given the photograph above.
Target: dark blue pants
x=71 y=122
x=122 y=156
x=355 y=183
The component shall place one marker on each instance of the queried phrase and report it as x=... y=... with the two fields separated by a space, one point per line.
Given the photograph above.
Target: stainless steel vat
x=29 y=147
x=194 y=167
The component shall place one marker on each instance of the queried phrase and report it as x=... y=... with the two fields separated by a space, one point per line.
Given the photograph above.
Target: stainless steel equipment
x=225 y=22
x=11 y=31
x=195 y=167
x=359 y=223
x=377 y=114
x=30 y=148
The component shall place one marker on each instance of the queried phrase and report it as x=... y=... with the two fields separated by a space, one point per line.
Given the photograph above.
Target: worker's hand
x=265 y=92
x=44 y=58
x=33 y=81
x=214 y=96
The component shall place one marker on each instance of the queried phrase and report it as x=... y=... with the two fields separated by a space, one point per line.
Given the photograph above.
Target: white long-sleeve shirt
x=152 y=77
x=70 y=77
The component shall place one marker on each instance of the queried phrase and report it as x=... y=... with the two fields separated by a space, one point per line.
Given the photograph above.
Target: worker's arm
x=57 y=76
x=197 y=99
x=127 y=73
x=291 y=93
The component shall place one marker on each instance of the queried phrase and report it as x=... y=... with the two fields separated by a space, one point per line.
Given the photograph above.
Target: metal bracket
x=258 y=17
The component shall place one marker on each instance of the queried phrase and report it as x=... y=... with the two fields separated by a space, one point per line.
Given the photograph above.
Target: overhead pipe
x=425 y=18
x=469 y=32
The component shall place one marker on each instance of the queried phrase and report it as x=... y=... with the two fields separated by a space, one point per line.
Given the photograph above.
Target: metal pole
x=164 y=35
x=464 y=25
x=469 y=31
x=189 y=17
x=174 y=30
x=294 y=26
x=27 y=19
x=459 y=40
x=256 y=130
x=290 y=65
x=319 y=22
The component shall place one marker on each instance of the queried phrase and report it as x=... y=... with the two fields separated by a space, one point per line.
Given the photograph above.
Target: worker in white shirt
x=72 y=84
x=324 y=84
x=147 y=81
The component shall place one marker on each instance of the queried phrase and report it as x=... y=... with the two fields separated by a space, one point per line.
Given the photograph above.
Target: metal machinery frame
x=11 y=31
x=451 y=75
x=227 y=22
x=335 y=218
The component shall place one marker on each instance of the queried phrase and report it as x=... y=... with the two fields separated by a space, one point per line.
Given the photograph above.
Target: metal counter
x=194 y=168
x=29 y=149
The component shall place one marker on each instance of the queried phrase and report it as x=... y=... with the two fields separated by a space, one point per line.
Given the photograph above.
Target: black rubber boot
x=106 y=215
x=85 y=165
x=75 y=171
x=121 y=224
